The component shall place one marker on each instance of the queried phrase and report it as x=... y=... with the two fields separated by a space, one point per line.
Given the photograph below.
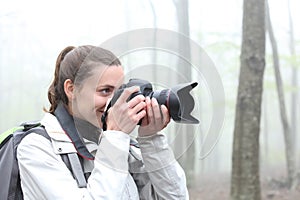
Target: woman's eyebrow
x=106 y=86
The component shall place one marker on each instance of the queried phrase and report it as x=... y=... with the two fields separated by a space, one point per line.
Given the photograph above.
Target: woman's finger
x=165 y=114
x=135 y=101
x=157 y=117
x=126 y=94
x=137 y=108
x=149 y=110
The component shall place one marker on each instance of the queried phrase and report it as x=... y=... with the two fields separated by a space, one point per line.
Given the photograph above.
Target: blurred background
x=32 y=33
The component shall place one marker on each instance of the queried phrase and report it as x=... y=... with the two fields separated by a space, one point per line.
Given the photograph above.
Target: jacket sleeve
x=45 y=176
x=166 y=178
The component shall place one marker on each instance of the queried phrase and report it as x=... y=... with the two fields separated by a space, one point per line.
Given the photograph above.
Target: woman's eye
x=105 y=91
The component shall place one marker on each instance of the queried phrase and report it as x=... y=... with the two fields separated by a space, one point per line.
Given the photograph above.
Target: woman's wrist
x=112 y=127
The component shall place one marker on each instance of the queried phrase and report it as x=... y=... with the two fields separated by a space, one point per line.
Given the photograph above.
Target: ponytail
x=54 y=95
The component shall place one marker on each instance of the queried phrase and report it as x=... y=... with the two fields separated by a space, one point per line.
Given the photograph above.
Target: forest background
x=32 y=33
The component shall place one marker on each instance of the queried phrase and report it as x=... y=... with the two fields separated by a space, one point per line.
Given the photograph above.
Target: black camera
x=178 y=99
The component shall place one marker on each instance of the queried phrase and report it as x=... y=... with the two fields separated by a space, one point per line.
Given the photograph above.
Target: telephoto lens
x=177 y=99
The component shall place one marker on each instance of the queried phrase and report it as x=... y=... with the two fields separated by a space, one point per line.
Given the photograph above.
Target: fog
x=32 y=33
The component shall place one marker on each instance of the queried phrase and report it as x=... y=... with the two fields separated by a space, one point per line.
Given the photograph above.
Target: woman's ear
x=69 y=89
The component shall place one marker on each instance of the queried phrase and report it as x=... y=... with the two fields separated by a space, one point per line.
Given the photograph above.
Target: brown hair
x=76 y=64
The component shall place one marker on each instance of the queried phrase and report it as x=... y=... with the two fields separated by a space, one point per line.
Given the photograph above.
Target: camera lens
x=178 y=99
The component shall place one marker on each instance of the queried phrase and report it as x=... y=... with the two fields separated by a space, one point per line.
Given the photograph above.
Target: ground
x=217 y=187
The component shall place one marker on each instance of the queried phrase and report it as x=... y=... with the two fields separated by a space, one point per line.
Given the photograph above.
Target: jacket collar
x=87 y=130
x=67 y=123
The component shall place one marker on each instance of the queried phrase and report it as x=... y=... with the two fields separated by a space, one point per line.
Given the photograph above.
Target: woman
x=85 y=79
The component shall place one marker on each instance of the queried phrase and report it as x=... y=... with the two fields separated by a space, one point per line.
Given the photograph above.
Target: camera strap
x=104 y=116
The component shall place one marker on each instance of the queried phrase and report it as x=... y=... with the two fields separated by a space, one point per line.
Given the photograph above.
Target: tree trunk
x=289 y=153
x=245 y=182
x=187 y=136
x=294 y=99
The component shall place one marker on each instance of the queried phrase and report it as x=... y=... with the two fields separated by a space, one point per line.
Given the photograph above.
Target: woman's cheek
x=100 y=102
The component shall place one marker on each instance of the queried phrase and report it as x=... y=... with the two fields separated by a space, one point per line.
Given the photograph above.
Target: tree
x=245 y=182
x=186 y=141
x=289 y=152
x=295 y=98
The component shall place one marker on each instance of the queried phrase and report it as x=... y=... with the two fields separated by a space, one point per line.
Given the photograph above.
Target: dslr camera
x=177 y=99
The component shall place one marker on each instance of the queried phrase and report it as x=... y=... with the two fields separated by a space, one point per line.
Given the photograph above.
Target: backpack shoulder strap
x=75 y=166
x=19 y=135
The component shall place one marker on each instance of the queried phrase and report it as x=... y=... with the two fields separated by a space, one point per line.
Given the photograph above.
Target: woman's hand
x=124 y=116
x=156 y=119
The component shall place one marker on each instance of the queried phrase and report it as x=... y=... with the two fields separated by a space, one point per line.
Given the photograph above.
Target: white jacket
x=115 y=174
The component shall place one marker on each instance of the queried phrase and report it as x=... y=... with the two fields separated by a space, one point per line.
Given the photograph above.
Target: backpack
x=10 y=184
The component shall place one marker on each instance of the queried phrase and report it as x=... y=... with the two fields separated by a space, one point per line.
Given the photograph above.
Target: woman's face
x=90 y=98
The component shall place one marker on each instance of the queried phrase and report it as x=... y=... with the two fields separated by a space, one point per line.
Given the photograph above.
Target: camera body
x=178 y=99
x=145 y=89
